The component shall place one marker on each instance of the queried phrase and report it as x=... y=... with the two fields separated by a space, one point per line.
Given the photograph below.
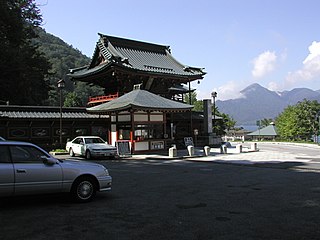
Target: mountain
x=61 y=56
x=298 y=94
x=259 y=103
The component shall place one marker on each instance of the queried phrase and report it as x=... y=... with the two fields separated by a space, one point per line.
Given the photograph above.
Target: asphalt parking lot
x=154 y=199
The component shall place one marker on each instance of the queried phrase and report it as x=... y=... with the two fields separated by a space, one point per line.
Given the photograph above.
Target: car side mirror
x=48 y=161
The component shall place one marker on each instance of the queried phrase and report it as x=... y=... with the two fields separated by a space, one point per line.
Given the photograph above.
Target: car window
x=78 y=141
x=4 y=154
x=26 y=154
x=93 y=140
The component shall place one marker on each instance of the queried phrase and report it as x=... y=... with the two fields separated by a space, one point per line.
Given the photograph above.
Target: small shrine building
x=140 y=118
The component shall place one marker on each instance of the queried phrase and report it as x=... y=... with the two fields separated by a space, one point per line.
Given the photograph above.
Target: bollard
x=239 y=148
x=206 y=150
x=173 y=151
x=223 y=149
x=190 y=150
x=253 y=147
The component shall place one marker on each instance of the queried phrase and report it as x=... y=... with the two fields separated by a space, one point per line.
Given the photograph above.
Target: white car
x=90 y=146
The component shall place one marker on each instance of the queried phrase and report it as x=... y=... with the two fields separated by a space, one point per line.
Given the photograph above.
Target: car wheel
x=83 y=190
x=71 y=153
x=88 y=154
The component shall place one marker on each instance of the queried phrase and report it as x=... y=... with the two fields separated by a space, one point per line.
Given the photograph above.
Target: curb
x=58 y=153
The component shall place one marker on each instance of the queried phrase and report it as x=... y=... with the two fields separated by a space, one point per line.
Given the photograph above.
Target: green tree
x=298 y=122
x=224 y=124
x=286 y=123
x=265 y=122
x=22 y=67
x=193 y=96
x=62 y=58
x=72 y=100
x=198 y=106
x=220 y=125
x=84 y=91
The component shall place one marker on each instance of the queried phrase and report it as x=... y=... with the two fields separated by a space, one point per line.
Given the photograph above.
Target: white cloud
x=230 y=90
x=264 y=64
x=314 y=52
x=310 y=69
x=273 y=86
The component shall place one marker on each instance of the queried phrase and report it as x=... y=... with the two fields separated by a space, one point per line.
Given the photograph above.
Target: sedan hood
x=75 y=162
x=101 y=146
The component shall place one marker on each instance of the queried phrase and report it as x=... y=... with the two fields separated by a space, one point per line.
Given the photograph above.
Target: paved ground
x=272 y=194
x=267 y=152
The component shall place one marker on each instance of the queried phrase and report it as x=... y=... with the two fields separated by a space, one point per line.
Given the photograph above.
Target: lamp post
x=214 y=95
x=318 y=127
x=190 y=103
x=61 y=85
x=259 y=126
x=317 y=131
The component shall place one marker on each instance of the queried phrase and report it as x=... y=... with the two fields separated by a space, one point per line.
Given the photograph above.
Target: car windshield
x=93 y=140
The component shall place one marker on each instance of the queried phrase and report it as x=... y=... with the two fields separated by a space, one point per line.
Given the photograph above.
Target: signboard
x=188 y=141
x=123 y=148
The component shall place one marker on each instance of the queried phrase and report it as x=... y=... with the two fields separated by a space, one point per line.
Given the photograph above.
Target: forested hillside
x=63 y=57
x=32 y=61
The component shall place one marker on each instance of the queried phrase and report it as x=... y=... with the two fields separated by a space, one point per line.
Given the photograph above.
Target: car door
x=6 y=172
x=77 y=146
x=32 y=175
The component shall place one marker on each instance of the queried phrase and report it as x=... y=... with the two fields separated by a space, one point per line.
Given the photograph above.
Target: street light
x=318 y=127
x=61 y=85
x=317 y=118
x=214 y=95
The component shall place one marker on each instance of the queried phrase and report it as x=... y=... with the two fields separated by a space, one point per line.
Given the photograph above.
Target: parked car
x=90 y=146
x=27 y=169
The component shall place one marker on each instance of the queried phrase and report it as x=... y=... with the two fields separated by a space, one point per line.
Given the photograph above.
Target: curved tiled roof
x=140 y=100
x=136 y=55
x=50 y=115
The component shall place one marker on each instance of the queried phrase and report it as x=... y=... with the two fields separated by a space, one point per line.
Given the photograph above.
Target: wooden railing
x=102 y=99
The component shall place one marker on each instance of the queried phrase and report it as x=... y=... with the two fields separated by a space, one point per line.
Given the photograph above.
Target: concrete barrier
x=253 y=147
x=239 y=148
x=190 y=150
x=207 y=150
x=223 y=149
x=173 y=151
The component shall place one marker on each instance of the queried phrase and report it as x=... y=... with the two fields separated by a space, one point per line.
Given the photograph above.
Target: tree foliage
x=264 y=122
x=62 y=58
x=32 y=61
x=225 y=122
x=22 y=67
x=299 y=122
x=72 y=100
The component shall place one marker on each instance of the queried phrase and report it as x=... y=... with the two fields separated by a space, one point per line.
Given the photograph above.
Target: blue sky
x=275 y=43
